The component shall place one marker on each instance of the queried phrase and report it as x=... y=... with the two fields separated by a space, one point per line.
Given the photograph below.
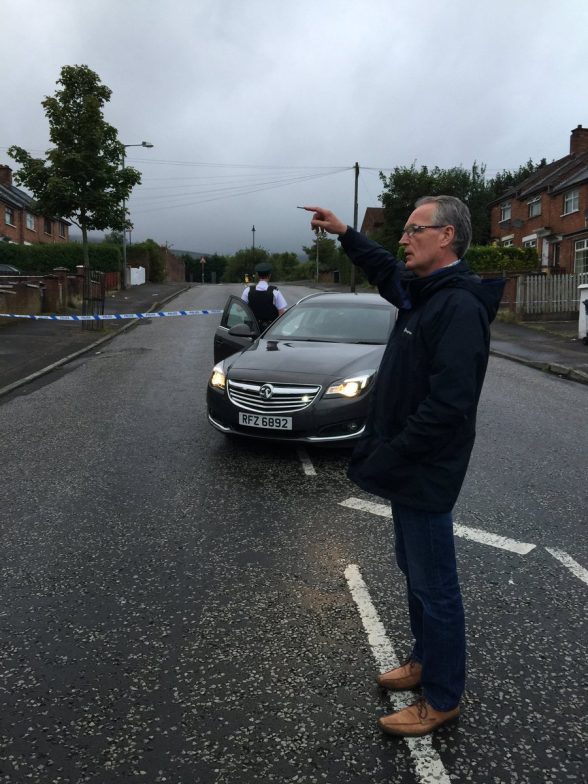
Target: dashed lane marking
x=494 y=540
x=474 y=534
x=569 y=562
x=427 y=763
x=307 y=465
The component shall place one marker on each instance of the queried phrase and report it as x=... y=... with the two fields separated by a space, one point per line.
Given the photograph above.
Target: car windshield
x=336 y=323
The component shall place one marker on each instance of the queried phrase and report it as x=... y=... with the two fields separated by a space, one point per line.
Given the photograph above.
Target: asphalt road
x=179 y=607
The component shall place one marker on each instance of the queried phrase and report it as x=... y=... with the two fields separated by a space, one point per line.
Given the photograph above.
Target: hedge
x=42 y=258
x=496 y=258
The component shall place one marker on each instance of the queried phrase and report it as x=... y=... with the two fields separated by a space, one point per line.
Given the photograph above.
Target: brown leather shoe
x=417 y=719
x=407 y=676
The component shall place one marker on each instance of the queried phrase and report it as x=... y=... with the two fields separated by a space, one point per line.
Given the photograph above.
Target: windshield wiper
x=321 y=340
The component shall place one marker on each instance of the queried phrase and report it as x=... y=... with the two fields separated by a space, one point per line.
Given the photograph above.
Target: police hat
x=263 y=268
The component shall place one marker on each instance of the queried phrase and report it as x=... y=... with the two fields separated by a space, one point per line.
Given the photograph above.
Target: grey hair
x=451 y=211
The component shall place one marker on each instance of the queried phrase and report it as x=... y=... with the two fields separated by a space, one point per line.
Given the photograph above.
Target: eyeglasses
x=413 y=229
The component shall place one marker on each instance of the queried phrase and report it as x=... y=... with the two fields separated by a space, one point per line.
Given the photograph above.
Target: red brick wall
x=175 y=268
x=20 y=298
x=579 y=140
x=20 y=234
x=12 y=232
x=551 y=217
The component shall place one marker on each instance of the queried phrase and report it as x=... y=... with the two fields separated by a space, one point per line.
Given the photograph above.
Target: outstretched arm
x=380 y=266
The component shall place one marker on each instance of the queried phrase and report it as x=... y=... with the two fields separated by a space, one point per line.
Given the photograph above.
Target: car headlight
x=218 y=380
x=351 y=387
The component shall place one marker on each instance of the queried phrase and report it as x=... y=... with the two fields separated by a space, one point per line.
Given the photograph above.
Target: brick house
x=372 y=220
x=18 y=223
x=548 y=211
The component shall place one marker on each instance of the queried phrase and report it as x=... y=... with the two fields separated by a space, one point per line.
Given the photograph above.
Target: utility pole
x=124 y=245
x=318 y=234
x=352 y=276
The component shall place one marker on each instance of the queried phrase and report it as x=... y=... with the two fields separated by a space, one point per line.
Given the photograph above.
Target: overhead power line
x=218 y=194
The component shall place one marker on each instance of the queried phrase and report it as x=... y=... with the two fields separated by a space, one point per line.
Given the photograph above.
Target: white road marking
x=428 y=766
x=474 y=534
x=568 y=561
x=306 y=462
x=383 y=510
x=484 y=537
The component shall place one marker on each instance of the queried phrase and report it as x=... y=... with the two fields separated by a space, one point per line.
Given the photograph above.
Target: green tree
x=243 y=263
x=328 y=255
x=214 y=263
x=81 y=179
x=406 y=184
x=284 y=265
x=152 y=253
x=217 y=264
x=114 y=238
x=509 y=179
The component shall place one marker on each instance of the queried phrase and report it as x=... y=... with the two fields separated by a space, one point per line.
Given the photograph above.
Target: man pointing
x=420 y=432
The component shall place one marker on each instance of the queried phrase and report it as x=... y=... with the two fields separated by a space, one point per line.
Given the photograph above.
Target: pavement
x=551 y=346
x=30 y=349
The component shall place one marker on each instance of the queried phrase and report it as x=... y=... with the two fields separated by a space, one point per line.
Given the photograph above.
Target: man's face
x=427 y=249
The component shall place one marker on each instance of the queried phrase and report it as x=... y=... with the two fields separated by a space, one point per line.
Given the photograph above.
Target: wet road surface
x=175 y=605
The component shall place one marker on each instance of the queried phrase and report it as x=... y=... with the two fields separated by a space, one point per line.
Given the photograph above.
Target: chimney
x=579 y=140
x=6 y=176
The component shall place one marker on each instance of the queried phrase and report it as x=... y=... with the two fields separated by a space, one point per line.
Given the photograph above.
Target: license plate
x=264 y=420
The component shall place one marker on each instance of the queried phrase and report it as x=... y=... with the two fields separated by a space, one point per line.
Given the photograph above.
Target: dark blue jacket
x=422 y=420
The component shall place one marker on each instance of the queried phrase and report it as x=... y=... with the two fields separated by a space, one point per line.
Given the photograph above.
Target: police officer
x=266 y=302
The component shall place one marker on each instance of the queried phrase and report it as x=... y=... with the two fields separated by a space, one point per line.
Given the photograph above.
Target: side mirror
x=243 y=331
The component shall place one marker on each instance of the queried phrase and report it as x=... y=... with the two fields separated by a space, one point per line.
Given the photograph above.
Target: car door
x=236 y=314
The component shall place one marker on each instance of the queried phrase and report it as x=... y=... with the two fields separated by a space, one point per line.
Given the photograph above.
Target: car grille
x=271 y=398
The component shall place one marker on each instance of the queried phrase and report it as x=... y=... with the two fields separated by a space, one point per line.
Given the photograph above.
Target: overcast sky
x=255 y=106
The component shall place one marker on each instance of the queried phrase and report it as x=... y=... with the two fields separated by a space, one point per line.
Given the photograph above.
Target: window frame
x=9 y=216
x=30 y=221
x=48 y=222
x=507 y=205
x=531 y=204
x=583 y=250
x=575 y=194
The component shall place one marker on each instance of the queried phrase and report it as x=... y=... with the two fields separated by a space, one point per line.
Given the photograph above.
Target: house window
x=61 y=229
x=30 y=221
x=581 y=257
x=534 y=207
x=507 y=241
x=9 y=216
x=505 y=211
x=571 y=202
x=48 y=226
x=530 y=243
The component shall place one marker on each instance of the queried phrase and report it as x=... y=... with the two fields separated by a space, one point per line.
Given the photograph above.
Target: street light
x=253 y=246
x=124 y=263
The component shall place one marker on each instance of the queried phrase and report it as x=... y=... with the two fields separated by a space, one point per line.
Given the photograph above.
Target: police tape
x=113 y=316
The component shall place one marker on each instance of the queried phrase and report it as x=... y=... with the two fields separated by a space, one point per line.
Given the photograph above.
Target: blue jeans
x=425 y=553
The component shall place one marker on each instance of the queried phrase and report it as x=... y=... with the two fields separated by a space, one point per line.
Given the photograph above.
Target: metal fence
x=93 y=297
x=539 y=294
